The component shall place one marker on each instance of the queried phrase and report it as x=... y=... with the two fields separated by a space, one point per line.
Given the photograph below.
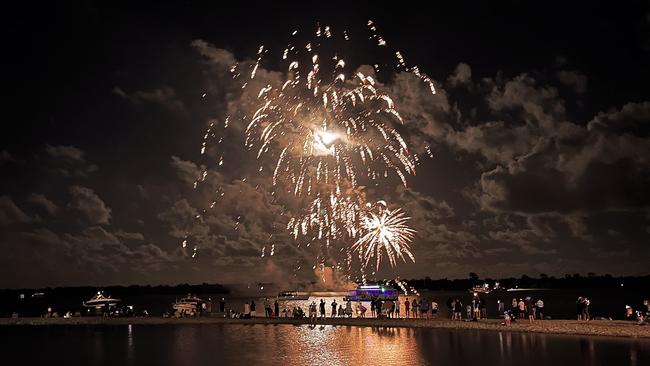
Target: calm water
x=304 y=345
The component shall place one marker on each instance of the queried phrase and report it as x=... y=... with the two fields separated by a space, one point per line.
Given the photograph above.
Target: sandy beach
x=610 y=328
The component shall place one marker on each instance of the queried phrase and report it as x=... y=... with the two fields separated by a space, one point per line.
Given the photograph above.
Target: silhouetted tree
x=473 y=276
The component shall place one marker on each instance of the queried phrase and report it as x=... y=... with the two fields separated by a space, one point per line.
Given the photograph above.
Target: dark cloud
x=10 y=213
x=221 y=58
x=96 y=255
x=165 y=97
x=630 y=121
x=543 y=163
x=428 y=118
x=69 y=161
x=462 y=75
x=5 y=156
x=70 y=153
x=44 y=202
x=86 y=201
x=129 y=235
x=573 y=79
x=610 y=254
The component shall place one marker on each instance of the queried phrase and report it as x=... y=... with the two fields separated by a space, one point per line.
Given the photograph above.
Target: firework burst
x=326 y=130
x=326 y=133
x=385 y=231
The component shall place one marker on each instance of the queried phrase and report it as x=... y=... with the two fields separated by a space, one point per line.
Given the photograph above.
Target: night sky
x=540 y=132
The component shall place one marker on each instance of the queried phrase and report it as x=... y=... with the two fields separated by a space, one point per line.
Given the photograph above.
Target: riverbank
x=610 y=328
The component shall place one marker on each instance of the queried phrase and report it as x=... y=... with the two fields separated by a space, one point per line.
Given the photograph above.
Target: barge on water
x=370 y=292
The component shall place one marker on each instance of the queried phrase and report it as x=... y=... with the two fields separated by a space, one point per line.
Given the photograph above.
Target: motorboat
x=101 y=301
x=190 y=306
x=481 y=289
x=369 y=292
x=293 y=295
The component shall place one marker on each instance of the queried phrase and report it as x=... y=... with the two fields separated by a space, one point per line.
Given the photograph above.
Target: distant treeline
x=180 y=289
x=543 y=281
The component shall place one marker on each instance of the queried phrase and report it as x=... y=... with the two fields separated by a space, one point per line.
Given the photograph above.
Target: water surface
x=235 y=344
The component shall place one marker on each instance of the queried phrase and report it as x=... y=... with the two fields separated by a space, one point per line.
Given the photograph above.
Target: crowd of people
x=519 y=309
x=379 y=308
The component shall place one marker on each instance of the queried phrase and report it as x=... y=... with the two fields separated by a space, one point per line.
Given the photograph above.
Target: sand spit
x=611 y=328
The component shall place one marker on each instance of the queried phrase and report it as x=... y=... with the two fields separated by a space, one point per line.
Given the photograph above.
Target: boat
x=369 y=292
x=100 y=301
x=482 y=289
x=293 y=295
x=190 y=306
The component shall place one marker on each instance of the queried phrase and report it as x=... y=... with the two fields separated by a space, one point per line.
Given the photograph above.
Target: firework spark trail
x=328 y=130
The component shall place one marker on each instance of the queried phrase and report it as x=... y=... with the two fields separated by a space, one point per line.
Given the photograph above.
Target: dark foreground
x=611 y=328
x=212 y=342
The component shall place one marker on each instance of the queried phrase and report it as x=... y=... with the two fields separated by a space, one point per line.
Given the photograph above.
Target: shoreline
x=607 y=328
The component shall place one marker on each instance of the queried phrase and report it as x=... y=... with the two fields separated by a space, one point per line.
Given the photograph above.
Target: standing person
x=501 y=307
x=334 y=307
x=253 y=314
x=483 y=309
x=348 y=309
x=386 y=308
x=458 y=309
x=267 y=307
x=391 y=313
x=585 y=310
x=450 y=308
x=434 y=309
x=424 y=308
x=521 y=305
x=379 y=307
x=476 y=307
x=277 y=308
x=341 y=313
x=579 y=305
x=247 y=310
x=222 y=305
x=414 y=308
x=515 y=307
x=322 y=308
x=397 y=306
x=361 y=310
x=407 y=307
x=530 y=310
x=312 y=312
x=540 y=309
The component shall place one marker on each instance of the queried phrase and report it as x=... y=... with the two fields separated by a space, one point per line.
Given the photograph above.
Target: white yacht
x=293 y=295
x=189 y=306
x=100 y=301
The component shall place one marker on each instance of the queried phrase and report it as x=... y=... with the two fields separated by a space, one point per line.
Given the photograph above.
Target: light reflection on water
x=309 y=345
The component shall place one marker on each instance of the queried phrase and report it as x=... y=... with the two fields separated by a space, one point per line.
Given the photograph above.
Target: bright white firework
x=385 y=232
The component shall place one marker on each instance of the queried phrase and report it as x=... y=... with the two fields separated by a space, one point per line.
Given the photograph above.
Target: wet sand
x=611 y=328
